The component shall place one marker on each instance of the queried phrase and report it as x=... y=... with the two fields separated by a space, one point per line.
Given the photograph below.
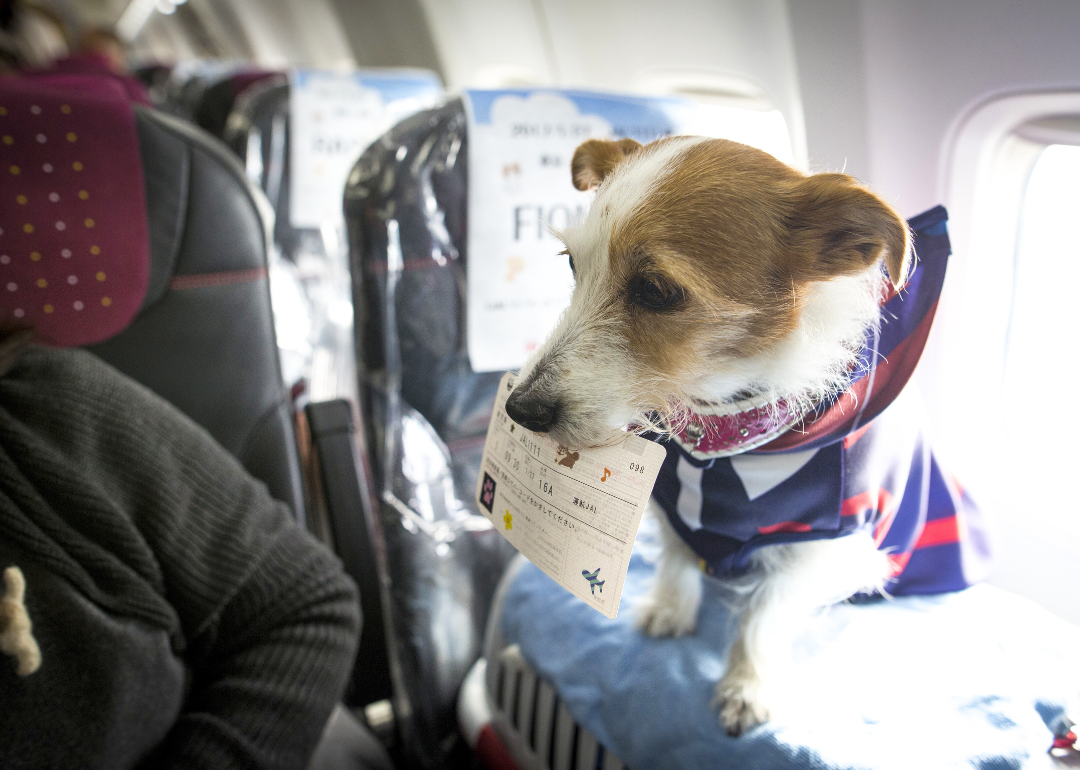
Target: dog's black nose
x=530 y=410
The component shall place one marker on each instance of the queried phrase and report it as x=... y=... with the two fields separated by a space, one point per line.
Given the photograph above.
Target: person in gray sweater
x=183 y=619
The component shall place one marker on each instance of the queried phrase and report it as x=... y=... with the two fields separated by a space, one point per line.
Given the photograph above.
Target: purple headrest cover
x=74 y=238
x=98 y=64
x=245 y=79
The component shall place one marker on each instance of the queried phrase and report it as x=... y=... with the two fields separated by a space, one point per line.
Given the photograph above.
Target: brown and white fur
x=708 y=271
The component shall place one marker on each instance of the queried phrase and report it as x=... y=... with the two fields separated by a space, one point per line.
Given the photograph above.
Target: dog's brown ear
x=841 y=228
x=594 y=160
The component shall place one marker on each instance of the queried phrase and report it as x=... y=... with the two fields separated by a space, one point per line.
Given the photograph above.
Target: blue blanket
x=975 y=679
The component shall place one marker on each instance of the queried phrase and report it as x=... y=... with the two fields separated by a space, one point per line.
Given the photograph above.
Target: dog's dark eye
x=654 y=293
x=571 y=257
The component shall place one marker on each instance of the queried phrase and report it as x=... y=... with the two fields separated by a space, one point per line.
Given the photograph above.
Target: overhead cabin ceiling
x=715 y=49
x=731 y=47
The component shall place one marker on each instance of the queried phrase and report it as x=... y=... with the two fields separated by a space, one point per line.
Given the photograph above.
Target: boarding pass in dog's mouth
x=573 y=514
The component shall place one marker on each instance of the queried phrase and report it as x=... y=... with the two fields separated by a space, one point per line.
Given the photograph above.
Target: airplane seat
x=155 y=77
x=202 y=337
x=202 y=91
x=181 y=92
x=137 y=236
x=309 y=255
x=258 y=132
x=217 y=99
x=424 y=414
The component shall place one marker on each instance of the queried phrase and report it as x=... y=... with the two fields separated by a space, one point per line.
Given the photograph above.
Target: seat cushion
x=975 y=678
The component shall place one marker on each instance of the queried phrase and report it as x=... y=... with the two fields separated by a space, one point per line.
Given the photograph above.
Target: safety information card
x=333 y=117
x=521 y=143
x=573 y=514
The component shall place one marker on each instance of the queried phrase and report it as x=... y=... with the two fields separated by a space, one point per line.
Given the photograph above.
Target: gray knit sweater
x=184 y=620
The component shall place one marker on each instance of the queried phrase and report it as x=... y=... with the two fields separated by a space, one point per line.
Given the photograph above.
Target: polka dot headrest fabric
x=74 y=237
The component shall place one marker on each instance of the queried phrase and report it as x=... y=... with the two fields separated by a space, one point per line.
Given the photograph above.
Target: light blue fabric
x=957 y=680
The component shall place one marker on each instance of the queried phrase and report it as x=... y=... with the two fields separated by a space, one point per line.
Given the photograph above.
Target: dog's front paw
x=665 y=617
x=741 y=706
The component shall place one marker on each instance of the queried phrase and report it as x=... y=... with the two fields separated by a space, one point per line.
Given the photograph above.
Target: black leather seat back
x=217 y=99
x=204 y=339
x=405 y=208
x=425 y=332
x=258 y=132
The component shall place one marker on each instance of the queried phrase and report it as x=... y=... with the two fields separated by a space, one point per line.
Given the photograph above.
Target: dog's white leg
x=765 y=636
x=787 y=584
x=671 y=606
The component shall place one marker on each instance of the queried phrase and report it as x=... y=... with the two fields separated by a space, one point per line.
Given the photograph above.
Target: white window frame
x=985 y=168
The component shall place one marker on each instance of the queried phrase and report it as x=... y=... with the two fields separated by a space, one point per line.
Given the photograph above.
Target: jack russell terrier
x=738 y=310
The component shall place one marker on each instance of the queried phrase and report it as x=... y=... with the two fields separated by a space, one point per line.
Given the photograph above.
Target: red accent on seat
x=245 y=79
x=224 y=278
x=492 y=752
x=942 y=532
x=1066 y=741
x=785 y=526
x=416 y=263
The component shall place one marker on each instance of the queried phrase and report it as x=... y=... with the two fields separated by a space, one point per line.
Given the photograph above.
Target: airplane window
x=1046 y=268
x=1007 y=345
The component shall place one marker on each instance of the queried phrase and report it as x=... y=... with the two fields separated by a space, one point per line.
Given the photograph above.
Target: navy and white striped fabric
x=862 y=462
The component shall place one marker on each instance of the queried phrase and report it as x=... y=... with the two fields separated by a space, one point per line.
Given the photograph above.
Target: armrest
x=344 y=495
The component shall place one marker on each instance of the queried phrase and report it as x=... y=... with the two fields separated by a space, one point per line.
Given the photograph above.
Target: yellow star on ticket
x=508 y=518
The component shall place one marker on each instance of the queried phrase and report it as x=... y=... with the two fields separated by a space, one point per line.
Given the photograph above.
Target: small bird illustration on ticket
x=572 y=513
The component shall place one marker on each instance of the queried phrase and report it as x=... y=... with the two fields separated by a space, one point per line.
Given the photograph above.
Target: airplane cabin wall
x=388 y=33
x=887 y=87
x=269 y=33
x=616 y=46
x=929 y=63
x=485 y=43
x=285 y=32
x=164 y=40
x=828 y=40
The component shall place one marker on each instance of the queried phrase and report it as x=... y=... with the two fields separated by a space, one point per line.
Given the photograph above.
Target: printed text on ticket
x=573 y=514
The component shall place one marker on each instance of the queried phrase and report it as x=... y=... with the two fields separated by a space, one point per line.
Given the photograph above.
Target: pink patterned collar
x=722 y=430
